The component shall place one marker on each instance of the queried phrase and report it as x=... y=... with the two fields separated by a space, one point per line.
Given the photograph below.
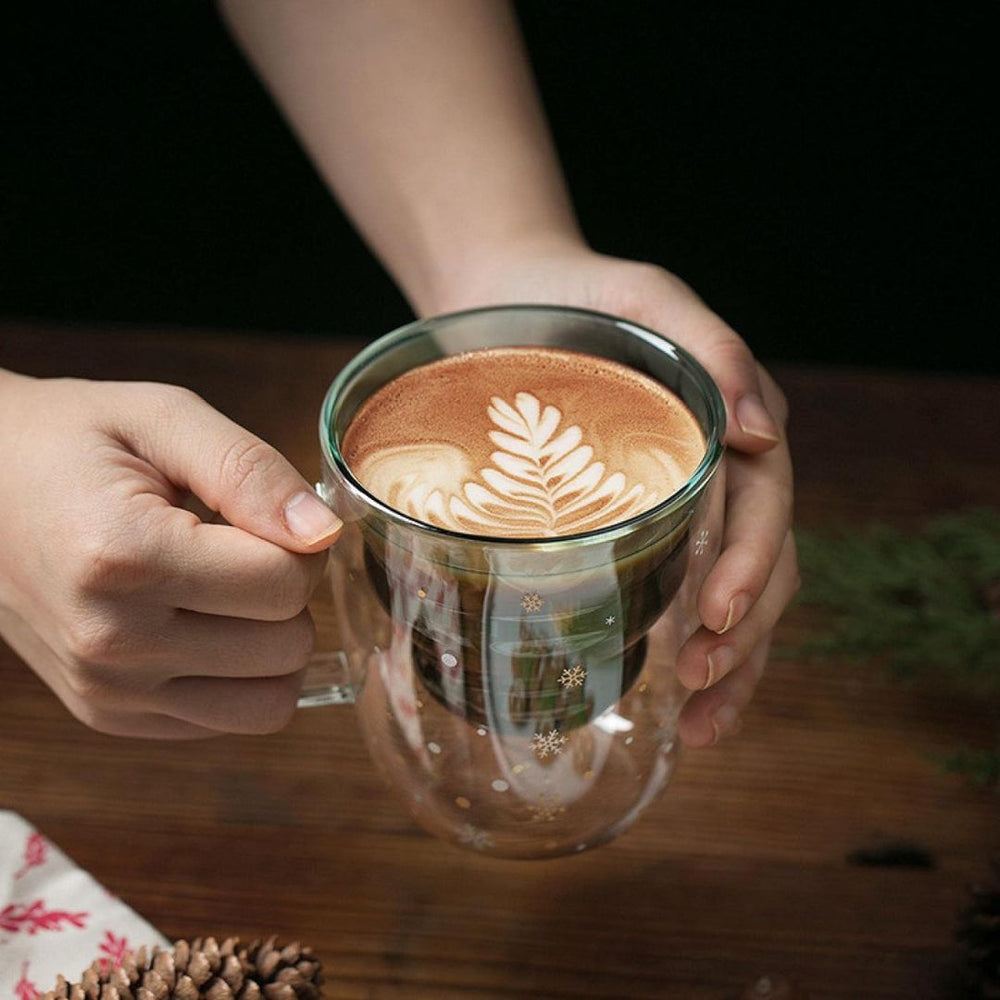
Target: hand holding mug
x=143 y=618
x=756 y=575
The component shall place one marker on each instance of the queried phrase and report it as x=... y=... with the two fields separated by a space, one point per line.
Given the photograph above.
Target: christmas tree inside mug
x=518 y=693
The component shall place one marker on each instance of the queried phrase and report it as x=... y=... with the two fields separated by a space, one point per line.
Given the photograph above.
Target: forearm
x=8 y=379
x=422 y=117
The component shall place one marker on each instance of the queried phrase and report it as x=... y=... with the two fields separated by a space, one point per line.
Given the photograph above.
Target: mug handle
x=327 y=681
x=327 y=675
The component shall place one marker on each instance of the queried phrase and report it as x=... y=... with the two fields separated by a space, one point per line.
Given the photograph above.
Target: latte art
x=543 y=481
x=568 y=444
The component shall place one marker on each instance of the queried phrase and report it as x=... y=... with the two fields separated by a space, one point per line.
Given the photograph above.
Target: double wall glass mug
x=518 y=694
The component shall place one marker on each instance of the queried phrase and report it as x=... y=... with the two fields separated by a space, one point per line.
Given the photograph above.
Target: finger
x=231 y=470
x=706 y=657
x=250 y=707
x=144 y=725
x=758 y=517
x=751 y=424
x=220 y=675
x=715 y=713
x=216 y=569
x=128 y=670
x=210 y=646
x=111 y=719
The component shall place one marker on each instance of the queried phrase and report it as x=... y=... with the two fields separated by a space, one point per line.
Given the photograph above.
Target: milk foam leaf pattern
x=544 y=483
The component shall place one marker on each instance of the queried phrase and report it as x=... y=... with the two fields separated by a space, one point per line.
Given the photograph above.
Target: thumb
x=231 y=470
x=753 y=425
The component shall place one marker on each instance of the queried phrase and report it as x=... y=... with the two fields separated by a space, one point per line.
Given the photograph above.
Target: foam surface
x=523 y=442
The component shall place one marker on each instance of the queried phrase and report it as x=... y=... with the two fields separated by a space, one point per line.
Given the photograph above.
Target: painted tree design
x=24 y=988
x=113 y=950
x=35 y=848
x=34 y=917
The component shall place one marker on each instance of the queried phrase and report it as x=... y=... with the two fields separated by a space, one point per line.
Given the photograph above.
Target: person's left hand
x=756 y=574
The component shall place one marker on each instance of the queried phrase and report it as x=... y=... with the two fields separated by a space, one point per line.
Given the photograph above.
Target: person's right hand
x=142 y=617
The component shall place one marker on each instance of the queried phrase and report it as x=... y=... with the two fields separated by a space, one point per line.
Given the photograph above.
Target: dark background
x=817 y=172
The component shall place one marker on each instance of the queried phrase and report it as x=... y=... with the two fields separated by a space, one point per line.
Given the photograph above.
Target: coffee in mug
x=531 y=501
x=523 y=442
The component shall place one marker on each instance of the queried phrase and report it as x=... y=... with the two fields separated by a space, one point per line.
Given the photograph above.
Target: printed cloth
x=54 y=917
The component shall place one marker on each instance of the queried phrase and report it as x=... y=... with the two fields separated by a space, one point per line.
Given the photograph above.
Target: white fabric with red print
x=54 y=917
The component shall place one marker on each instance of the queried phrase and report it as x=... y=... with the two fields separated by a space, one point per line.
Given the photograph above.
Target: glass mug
x=519 y=695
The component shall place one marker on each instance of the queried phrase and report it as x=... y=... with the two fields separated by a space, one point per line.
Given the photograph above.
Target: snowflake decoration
x=701 y=542
x=551 y=742
x=475 y=838
x=546 y=809
x=664 y=735
x=531 y=602
x=573 y=677
x=610 y=620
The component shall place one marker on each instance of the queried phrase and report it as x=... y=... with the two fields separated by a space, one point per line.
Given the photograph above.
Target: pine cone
x=202 y=970
x=979 y=930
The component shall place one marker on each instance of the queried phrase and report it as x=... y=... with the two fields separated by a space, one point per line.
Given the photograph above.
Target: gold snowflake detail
x=546 y=809
x=701 y=542
x=475 y=838
x=531 y=602
x=551 y=742
x=573 y=677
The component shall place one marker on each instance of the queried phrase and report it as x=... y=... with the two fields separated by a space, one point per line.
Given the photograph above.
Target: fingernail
x=720 y=662
x=309 y=519
x=753 y=418
x=739 y=605
x=725 y=722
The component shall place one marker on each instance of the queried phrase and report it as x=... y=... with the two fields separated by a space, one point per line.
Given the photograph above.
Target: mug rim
x=695 y=483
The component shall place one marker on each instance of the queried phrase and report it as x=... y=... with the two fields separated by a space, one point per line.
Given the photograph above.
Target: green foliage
x=981 y=766
x=924 y=604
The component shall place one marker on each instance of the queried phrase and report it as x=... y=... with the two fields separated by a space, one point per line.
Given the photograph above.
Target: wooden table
x=741 y=869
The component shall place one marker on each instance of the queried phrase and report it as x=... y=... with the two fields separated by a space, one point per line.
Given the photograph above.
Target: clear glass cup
x=519 y=695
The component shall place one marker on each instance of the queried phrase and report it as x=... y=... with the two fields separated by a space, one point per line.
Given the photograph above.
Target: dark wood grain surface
x=741 y=869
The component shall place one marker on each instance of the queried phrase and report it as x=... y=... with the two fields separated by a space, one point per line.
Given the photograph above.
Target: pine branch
x=925 y=605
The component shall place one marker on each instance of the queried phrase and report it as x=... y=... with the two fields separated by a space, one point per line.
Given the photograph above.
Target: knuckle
x=157 y=405
x=730 y=347
x=165 y=402
x=290 y=591
x=728 y=358
x=645 y=286
x=95 y=717
x=91 y=643
x=106 y=563
x=89 y=682
x=649 y=277
x=247 y=458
